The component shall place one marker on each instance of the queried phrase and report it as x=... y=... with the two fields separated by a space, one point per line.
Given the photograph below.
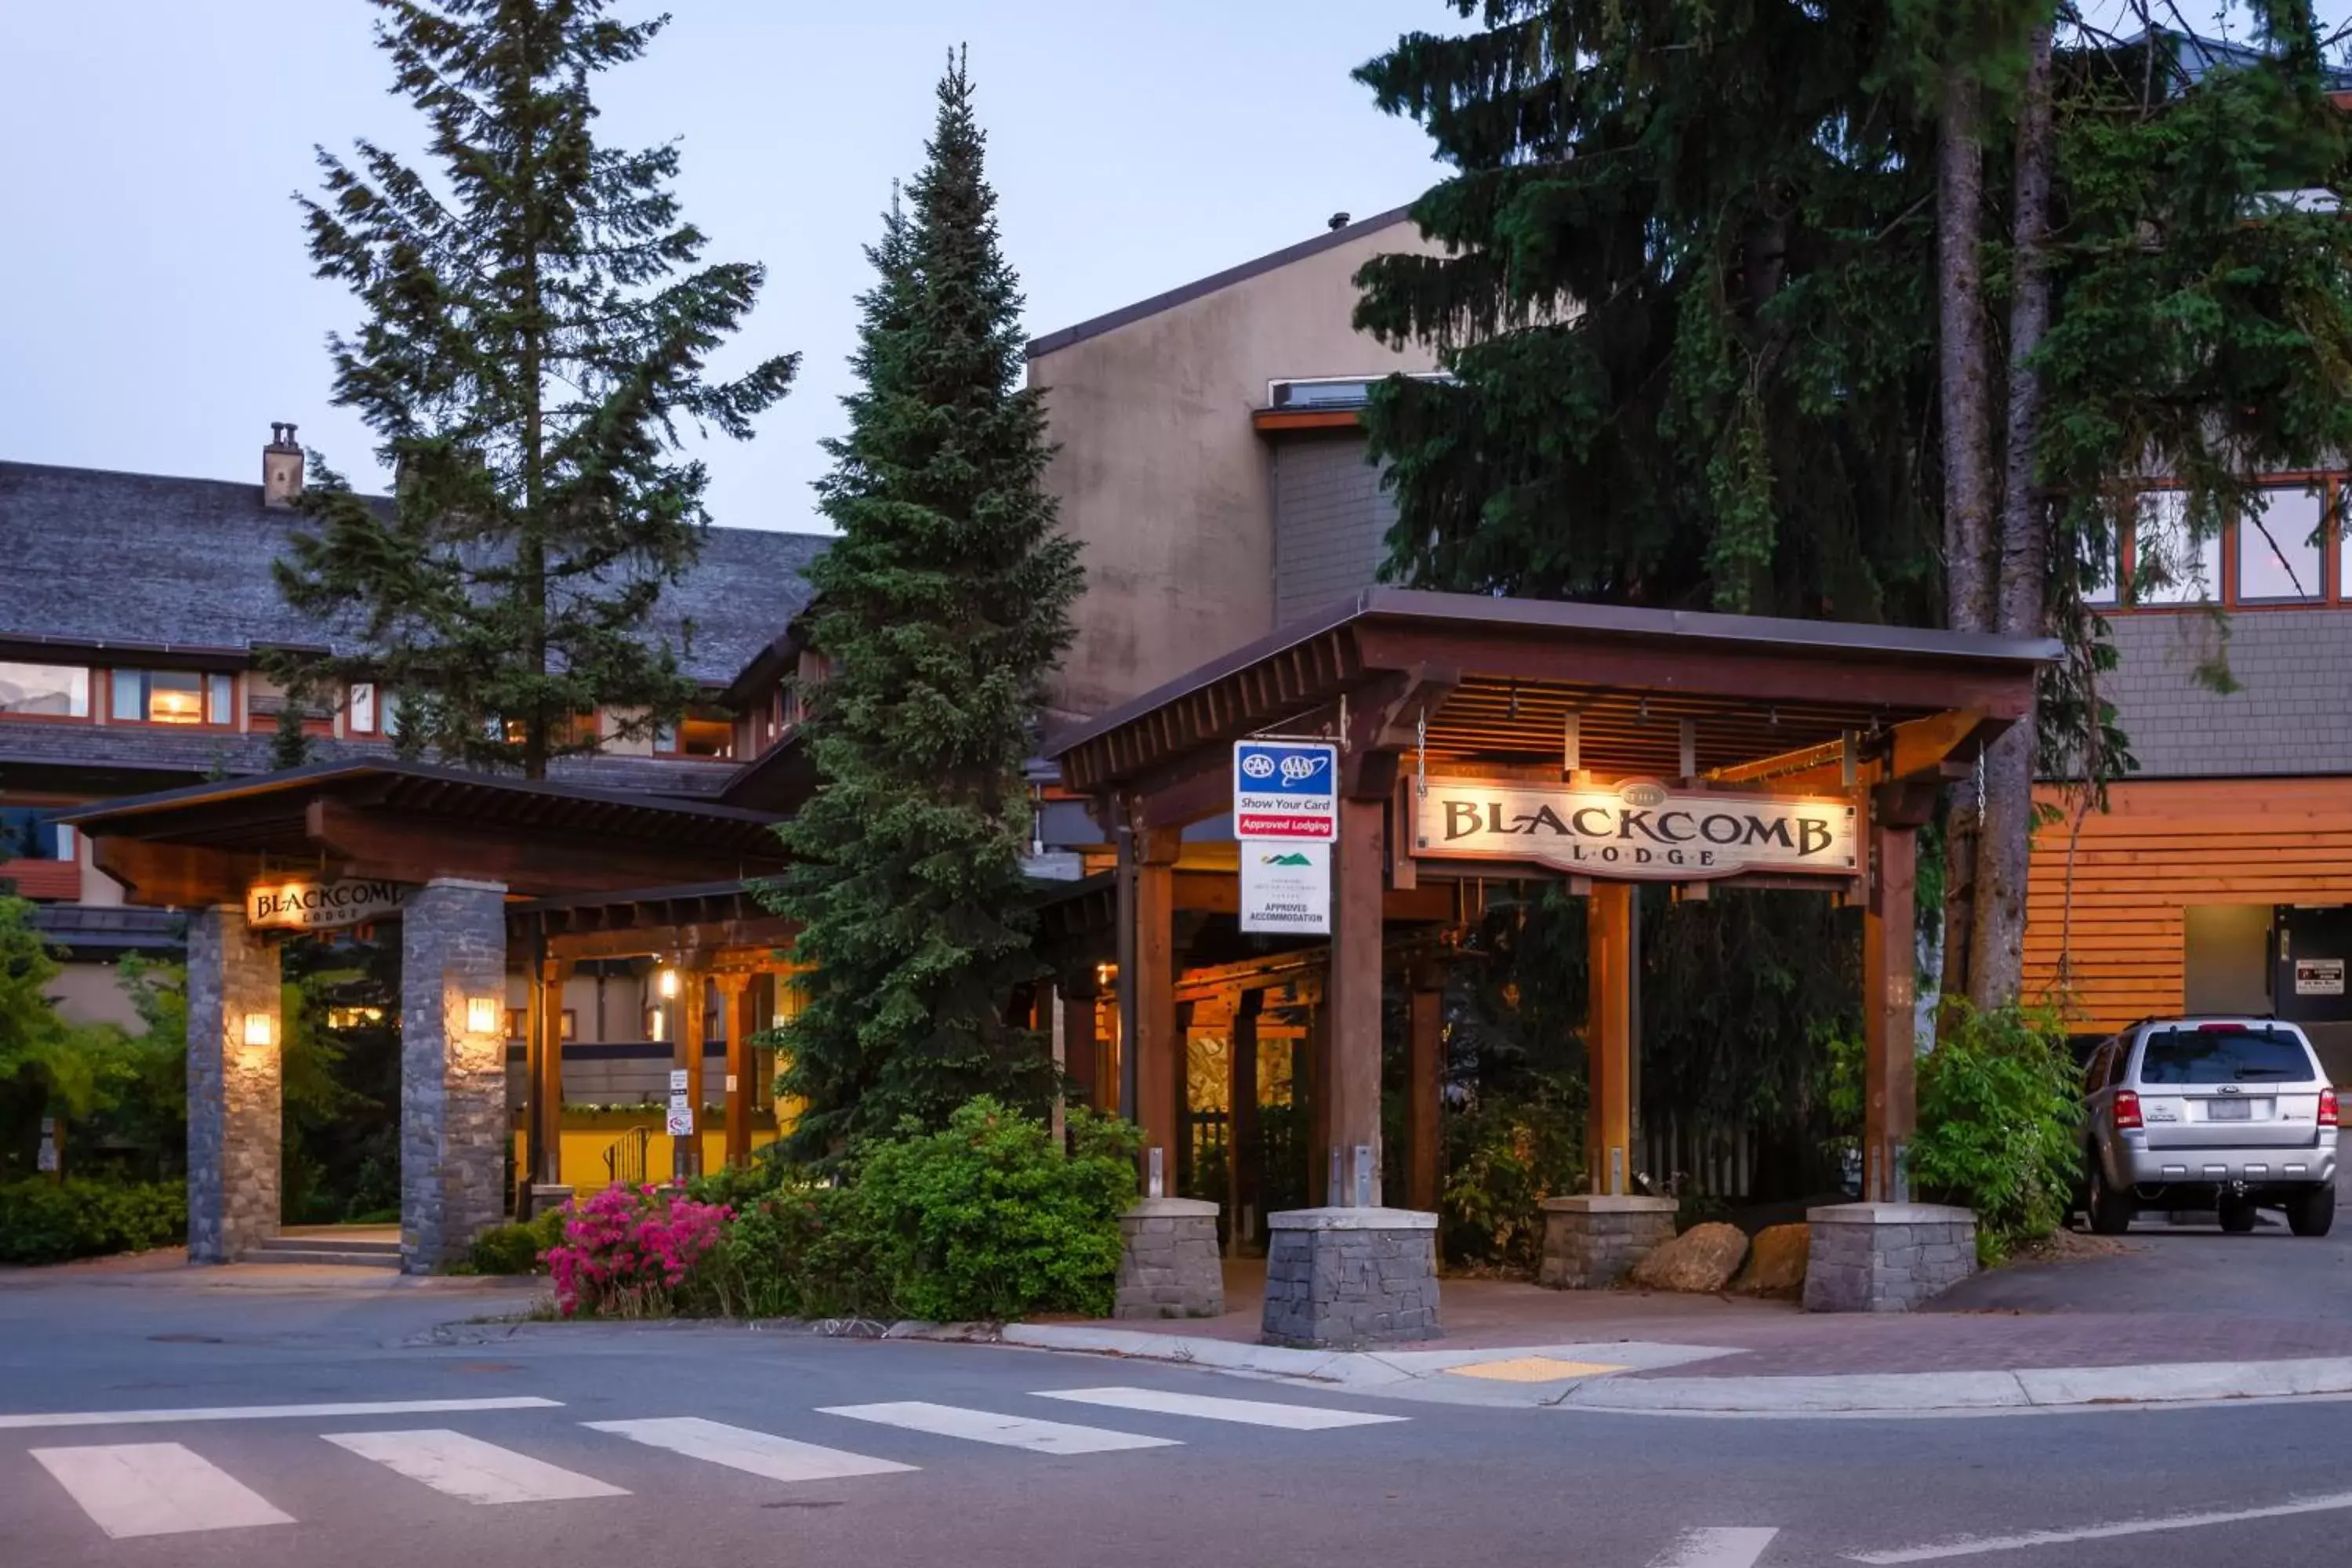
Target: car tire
x=2237 y=1215
x=2312 y=1211
x=2109 y=1211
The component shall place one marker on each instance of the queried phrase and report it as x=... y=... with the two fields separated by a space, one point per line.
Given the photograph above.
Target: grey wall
x=1331 y=520
x=2227 y=958
x=2292 y=710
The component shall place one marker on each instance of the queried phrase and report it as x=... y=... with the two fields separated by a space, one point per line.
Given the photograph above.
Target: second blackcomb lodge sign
x=1639 y=829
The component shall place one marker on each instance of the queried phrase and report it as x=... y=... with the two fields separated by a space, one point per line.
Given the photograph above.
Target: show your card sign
x=1636 y=830
x=1285 y=789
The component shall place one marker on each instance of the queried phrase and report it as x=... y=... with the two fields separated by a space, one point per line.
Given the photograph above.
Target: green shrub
x=988 y=1218
x=43 y=1221
x=517 y=1249
x=1998 y=1106
x=1504 y=1154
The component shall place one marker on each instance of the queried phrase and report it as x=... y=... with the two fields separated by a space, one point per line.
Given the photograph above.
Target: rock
x=1702 y=1258
x=1776 y=1262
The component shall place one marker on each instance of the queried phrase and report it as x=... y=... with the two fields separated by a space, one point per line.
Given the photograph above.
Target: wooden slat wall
x=2162 y=846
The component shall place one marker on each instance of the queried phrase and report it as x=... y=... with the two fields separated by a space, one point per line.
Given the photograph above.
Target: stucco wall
x=1161 y=476
x=93 y=993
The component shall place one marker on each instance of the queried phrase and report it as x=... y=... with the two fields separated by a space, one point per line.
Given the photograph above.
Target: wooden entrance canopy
x=407 y=822
x=1436 y=685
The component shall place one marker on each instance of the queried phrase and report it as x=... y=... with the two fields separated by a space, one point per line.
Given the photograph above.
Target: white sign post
x=1285 y=816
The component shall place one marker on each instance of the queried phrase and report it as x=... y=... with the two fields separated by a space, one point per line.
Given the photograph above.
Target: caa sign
x=1285 y=789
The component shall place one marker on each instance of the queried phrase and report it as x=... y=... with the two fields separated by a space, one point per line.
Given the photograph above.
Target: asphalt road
x=1439 y=1484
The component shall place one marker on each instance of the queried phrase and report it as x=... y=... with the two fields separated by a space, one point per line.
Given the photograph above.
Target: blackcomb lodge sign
x=1639 y=829
x=321 y=906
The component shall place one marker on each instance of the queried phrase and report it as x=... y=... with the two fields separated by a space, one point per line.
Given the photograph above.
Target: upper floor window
x=702 y=732
x=359 y=715
x=44 y=690
x=33 y=833
x=172 y=697
x=2280 y=552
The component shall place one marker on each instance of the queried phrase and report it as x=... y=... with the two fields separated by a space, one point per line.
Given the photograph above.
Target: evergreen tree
x=288 y=746
x=941 y=611
x=537 y=331
x=1696 y=312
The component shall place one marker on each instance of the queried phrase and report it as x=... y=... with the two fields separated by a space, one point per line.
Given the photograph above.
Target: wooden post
x=1609 y=1038
x=1241 y=1123
x=1358 y=874
x=692 y=1006
x=1315 y=1128
x=545 y=1123
x=741 y=1012
x=1424 y=1081
x=1889 y=966
x=1151 y=1047
x=1078 y=1045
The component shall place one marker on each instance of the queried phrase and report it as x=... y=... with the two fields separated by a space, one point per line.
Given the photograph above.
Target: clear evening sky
x=156 y=305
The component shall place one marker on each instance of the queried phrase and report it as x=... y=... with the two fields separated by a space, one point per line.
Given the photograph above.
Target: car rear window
x=2223 y=1055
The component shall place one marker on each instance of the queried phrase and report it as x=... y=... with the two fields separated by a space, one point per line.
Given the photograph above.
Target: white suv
x=2182 y=1113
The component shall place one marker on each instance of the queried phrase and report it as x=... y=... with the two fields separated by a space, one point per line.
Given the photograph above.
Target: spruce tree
x=941 y=611
x=537 y=330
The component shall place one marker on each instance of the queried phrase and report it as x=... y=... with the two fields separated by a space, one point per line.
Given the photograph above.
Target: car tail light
x=2328 y=1115
x=2127 y=1110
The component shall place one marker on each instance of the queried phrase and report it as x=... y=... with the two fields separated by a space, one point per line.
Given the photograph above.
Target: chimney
x=1338 y=221
x=281 y=468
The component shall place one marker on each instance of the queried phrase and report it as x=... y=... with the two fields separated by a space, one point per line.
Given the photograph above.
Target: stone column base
x=1591 y=1241
x=1885 y=1257
x=1168 y=1262
x=1339 y=1278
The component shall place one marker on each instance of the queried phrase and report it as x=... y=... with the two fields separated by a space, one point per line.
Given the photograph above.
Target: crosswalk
x=148 y=1489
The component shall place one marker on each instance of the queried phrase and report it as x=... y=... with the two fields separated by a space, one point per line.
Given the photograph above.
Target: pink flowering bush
x=632 y=1252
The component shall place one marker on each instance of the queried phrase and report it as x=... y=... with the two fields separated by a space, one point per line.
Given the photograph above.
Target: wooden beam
x=1359 y=868
x=745 y=945
x=1890 y=1045
x=1609 y=1037
x=740 y=1008
x=176 y=875
x=1915 y=748
x=1425 y=1082
x=417 y=849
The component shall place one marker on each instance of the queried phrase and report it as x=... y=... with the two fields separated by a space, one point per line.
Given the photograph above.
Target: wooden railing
x=624 y=1162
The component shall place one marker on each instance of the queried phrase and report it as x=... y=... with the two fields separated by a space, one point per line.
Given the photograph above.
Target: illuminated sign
x=1637 y=830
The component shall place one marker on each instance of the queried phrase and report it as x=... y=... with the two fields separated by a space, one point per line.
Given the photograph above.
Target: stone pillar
x=236 y=1097
x=453 y=1086
x=1168 y=1263
x=1592 y=1240
x=1885 y=1257
x=1336 y=1278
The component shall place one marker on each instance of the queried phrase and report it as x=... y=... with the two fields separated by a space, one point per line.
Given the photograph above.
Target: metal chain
x=1420 y=742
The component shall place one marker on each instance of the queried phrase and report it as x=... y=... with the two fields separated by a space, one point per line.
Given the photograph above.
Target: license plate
x=2229 y=1110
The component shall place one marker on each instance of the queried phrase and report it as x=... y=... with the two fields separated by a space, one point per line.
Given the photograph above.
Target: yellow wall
x=582 y=1152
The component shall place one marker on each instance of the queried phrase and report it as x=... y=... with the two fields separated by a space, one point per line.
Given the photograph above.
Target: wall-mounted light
x=668 y=982
x=260 y=1029
x=481 y=1014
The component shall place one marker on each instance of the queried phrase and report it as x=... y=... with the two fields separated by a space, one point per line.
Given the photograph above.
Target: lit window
x=44 y=690
x=2279 y=549
x=703 y=732
x=353 y=1017
x=359 y=711
x=2169 y=566
x=162 y=697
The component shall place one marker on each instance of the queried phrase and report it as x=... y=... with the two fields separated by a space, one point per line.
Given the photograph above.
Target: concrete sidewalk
x=1509 y=1343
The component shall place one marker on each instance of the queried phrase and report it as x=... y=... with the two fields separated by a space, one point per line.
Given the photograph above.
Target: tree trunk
x=1967 y=454
x=2005 y=815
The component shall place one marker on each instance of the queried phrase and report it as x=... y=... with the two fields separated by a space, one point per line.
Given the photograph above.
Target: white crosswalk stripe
x=741 y=1448
x=1718 y=1548
x=471 y=1469
x=155 y=1489
x=1251 y=1412
x=986 y=1427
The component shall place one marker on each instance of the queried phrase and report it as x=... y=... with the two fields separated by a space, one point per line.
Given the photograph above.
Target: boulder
x=1776 y=1262
x=1702 y=1258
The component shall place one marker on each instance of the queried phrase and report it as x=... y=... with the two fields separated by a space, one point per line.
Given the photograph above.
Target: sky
x=157 y=309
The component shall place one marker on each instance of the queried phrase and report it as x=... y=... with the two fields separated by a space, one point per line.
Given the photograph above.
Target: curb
x=2147 y=1385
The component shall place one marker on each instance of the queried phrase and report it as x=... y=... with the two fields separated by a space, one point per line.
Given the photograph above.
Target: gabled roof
x=157 y=563
x=1328 y=241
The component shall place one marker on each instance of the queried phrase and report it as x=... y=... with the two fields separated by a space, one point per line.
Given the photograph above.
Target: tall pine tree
x=537 y=332
x=941 y=611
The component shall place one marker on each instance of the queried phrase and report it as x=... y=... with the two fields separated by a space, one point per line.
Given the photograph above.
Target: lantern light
x=481 y=1014
x=668 y=985
x=260 y=1029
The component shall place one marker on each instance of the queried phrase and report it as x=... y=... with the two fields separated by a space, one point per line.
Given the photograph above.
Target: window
x=32 y=833
x=703 y=732
x=354 y=1017
x=2169 y=567
x=2280 y=550
x=359 y=709
x=44 y=690
x=2226 y=1054
x=173 y=697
